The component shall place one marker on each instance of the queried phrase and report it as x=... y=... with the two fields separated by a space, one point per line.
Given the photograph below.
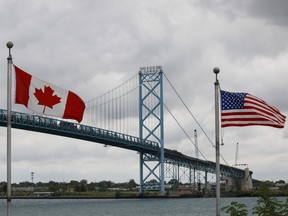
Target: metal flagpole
x=216 y=70
x=9 y=102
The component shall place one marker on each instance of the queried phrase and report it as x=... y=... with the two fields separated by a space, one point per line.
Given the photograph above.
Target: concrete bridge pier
x=244 y=184
x=247 y=181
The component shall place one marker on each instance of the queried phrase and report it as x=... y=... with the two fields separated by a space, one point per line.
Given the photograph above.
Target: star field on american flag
x=232 y=100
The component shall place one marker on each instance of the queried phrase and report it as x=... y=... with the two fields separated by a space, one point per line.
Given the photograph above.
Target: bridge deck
x=78 y=131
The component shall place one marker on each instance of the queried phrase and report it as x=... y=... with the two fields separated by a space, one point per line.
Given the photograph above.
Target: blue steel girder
x=150 y=157
x=67 y=129
x=169 y=170
x=151 y=111
x=172 y=156
x=150 y=76
x=151 y=90
x=151 y=171
x=151 y=132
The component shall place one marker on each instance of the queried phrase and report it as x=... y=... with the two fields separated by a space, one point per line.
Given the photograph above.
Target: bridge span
x=58 y=127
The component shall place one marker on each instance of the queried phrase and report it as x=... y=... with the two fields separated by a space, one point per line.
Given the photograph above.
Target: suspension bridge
x=131 y=116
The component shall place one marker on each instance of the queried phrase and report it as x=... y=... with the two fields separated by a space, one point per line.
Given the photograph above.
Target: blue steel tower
x=151 y=127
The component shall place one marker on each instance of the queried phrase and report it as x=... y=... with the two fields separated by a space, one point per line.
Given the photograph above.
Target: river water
x=120 y=207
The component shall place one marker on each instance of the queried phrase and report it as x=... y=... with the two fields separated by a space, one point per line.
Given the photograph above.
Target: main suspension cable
x=193 y=117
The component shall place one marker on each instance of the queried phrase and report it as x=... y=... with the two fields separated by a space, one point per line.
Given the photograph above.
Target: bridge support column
x=151 y=126
x=141 y=172
x=247 y=181
x=206 y=181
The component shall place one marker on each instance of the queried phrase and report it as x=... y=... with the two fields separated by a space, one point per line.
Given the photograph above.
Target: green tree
x=236 y=209
x=25 y=184
x=104 y=185
x=54 y=187
x=267 y=205
x=131 y=184
x=40 y=184
x=173 y=181
x=91 y=186
x=153 y=181
x=83 y=185
x=4 y=187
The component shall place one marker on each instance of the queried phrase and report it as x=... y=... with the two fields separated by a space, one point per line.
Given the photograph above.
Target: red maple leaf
x=46 y=98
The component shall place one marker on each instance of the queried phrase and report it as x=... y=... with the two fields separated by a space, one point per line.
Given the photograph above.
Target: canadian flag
x=44 y=98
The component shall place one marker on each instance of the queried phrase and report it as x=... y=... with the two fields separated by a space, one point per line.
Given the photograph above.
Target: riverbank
x=137 y=195
x=116 y=196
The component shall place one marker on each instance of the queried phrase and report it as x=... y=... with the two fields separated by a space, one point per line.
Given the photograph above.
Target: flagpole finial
x=216 y=70
x=9 y=45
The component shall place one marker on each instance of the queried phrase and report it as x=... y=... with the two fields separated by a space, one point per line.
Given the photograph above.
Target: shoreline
x=110 y=197
x=124 y=197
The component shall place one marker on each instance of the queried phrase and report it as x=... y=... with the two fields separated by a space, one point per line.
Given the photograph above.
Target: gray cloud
x=91 y=47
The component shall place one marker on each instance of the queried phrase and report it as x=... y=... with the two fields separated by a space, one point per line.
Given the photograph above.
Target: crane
x=236 y=157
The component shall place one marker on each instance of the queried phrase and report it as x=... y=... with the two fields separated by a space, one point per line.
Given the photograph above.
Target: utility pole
x=32 y=178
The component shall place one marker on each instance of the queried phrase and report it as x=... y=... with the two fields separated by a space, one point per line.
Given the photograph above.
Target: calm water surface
x=119 y=207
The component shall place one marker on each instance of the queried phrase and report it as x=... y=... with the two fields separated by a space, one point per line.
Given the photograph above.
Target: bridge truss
x=177 y=164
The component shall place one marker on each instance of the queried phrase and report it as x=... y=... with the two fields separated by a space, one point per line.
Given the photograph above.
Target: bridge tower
x=151 y=127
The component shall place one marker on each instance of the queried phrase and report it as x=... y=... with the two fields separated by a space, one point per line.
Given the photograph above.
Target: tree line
x=60 y=188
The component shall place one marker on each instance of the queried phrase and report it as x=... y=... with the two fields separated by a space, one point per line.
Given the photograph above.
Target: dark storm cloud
x=246 y=33
x=273 y=12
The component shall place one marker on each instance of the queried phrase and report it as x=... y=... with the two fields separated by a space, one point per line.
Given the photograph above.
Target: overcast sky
x=92 y=46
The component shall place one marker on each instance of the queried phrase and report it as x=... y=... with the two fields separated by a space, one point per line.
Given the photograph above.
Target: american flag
x=243 y=109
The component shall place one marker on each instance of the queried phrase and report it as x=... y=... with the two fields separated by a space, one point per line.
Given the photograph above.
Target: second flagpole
x=216 y=70
x=9 y=104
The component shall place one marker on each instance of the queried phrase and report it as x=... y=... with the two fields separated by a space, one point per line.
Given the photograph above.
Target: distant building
x=43 y=194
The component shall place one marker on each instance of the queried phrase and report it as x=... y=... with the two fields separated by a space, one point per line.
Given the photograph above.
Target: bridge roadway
x=83 y=132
